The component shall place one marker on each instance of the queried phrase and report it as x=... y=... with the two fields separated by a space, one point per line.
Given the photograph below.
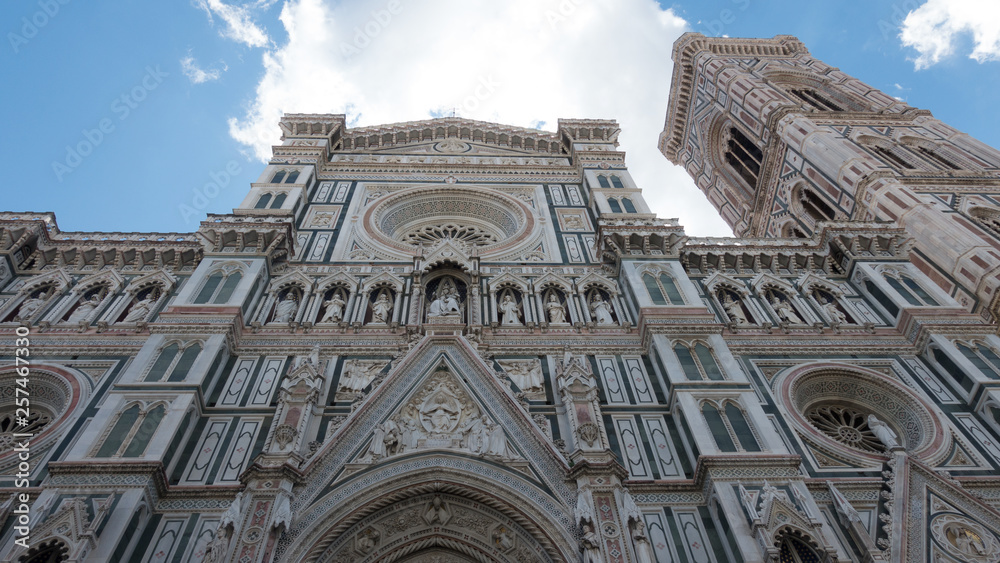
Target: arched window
x=132 y=432
x=613 y=203
x=720 y=431
x=263 y=201
x=670 y=288
x=910 y=290
x=654 y=290
x=815 y=99
x=794 y=551
x=292 y=177
x=616 y=182
x=744 y=157
x=937 y=158
x=744 y=434
x=171 y=360
x=278 y=177
x=603 y=181
x=891 y=157
x=956 y=373
x=629 y=207
x=983 y=357
x=218 y=288
x=730 y=428
x=698 y=362
x=279 y=200
x=815 y=206
x=988 y=218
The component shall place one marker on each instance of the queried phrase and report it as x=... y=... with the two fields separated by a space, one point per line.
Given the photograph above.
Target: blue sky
x=157 y=99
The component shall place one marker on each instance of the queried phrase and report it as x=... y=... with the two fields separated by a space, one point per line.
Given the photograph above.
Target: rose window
x=489 y=220
x=846 y=426
x=469 y=234
x=10 y=424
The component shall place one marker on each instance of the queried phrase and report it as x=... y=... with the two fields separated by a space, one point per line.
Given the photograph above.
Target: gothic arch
x=329 y=528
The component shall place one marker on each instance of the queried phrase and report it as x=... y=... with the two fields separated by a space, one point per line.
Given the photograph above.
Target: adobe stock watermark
x=122 y=107
x=365 y=34
x=201 y=197
x=899 y=13
x=483 y=91
x=30 y=26
x=716 y=26
x=565 y=9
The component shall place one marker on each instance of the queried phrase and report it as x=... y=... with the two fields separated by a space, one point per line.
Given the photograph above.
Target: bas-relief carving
x=440 y=415
x=356 y=376
x=527 y=376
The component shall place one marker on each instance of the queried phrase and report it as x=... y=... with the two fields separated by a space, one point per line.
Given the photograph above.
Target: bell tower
x=780 y=141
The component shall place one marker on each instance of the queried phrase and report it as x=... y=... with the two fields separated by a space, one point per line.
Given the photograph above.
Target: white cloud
x=933 y=30
x=239 y=22
x=196 y=74
x=545 y=60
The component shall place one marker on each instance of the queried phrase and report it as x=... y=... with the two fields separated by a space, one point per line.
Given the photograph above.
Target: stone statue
x=383 y=438
x=497 y=442
x=829 y=305
x=334 y=310
x=785 y=310
x=735 y=309
x=601 y=310
x=140 y=309
x=437 y=512
x=29 y=307
x=510 y=316
x=526 y=378
x=555 y=309
x=591 y=544
x=356 y=377
x=85 y=309
x=215 y=551
x=382 y=309
x=446 y=300
x=285 y=310
x=883 y=433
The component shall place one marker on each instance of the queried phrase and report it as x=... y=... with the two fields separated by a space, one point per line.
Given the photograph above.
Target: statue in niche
x=216 y=549
x=883 y=433
x=140 y=309
x=829 y=305
x=734 y=308
x=31 y=306
x=86 y=307
x=382 y=308
x=555 y=309
x=601 y=309
x=591 y=544
x=447 y=301
x=334 y=309
x=510 y=311
x=784 y=309
x=285 y=308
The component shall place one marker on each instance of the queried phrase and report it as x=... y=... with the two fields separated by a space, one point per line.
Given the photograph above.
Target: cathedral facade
x=459 y=341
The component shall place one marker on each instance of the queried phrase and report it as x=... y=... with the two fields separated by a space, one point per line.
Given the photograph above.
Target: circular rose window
x=423 y=216
x=831 y=404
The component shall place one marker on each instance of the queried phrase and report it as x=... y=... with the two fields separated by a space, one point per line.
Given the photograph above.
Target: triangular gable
x=404 y=384
x=293 y=277
x=447 y=251
x=112 y=278
x=162 y=277
x=934 y=532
